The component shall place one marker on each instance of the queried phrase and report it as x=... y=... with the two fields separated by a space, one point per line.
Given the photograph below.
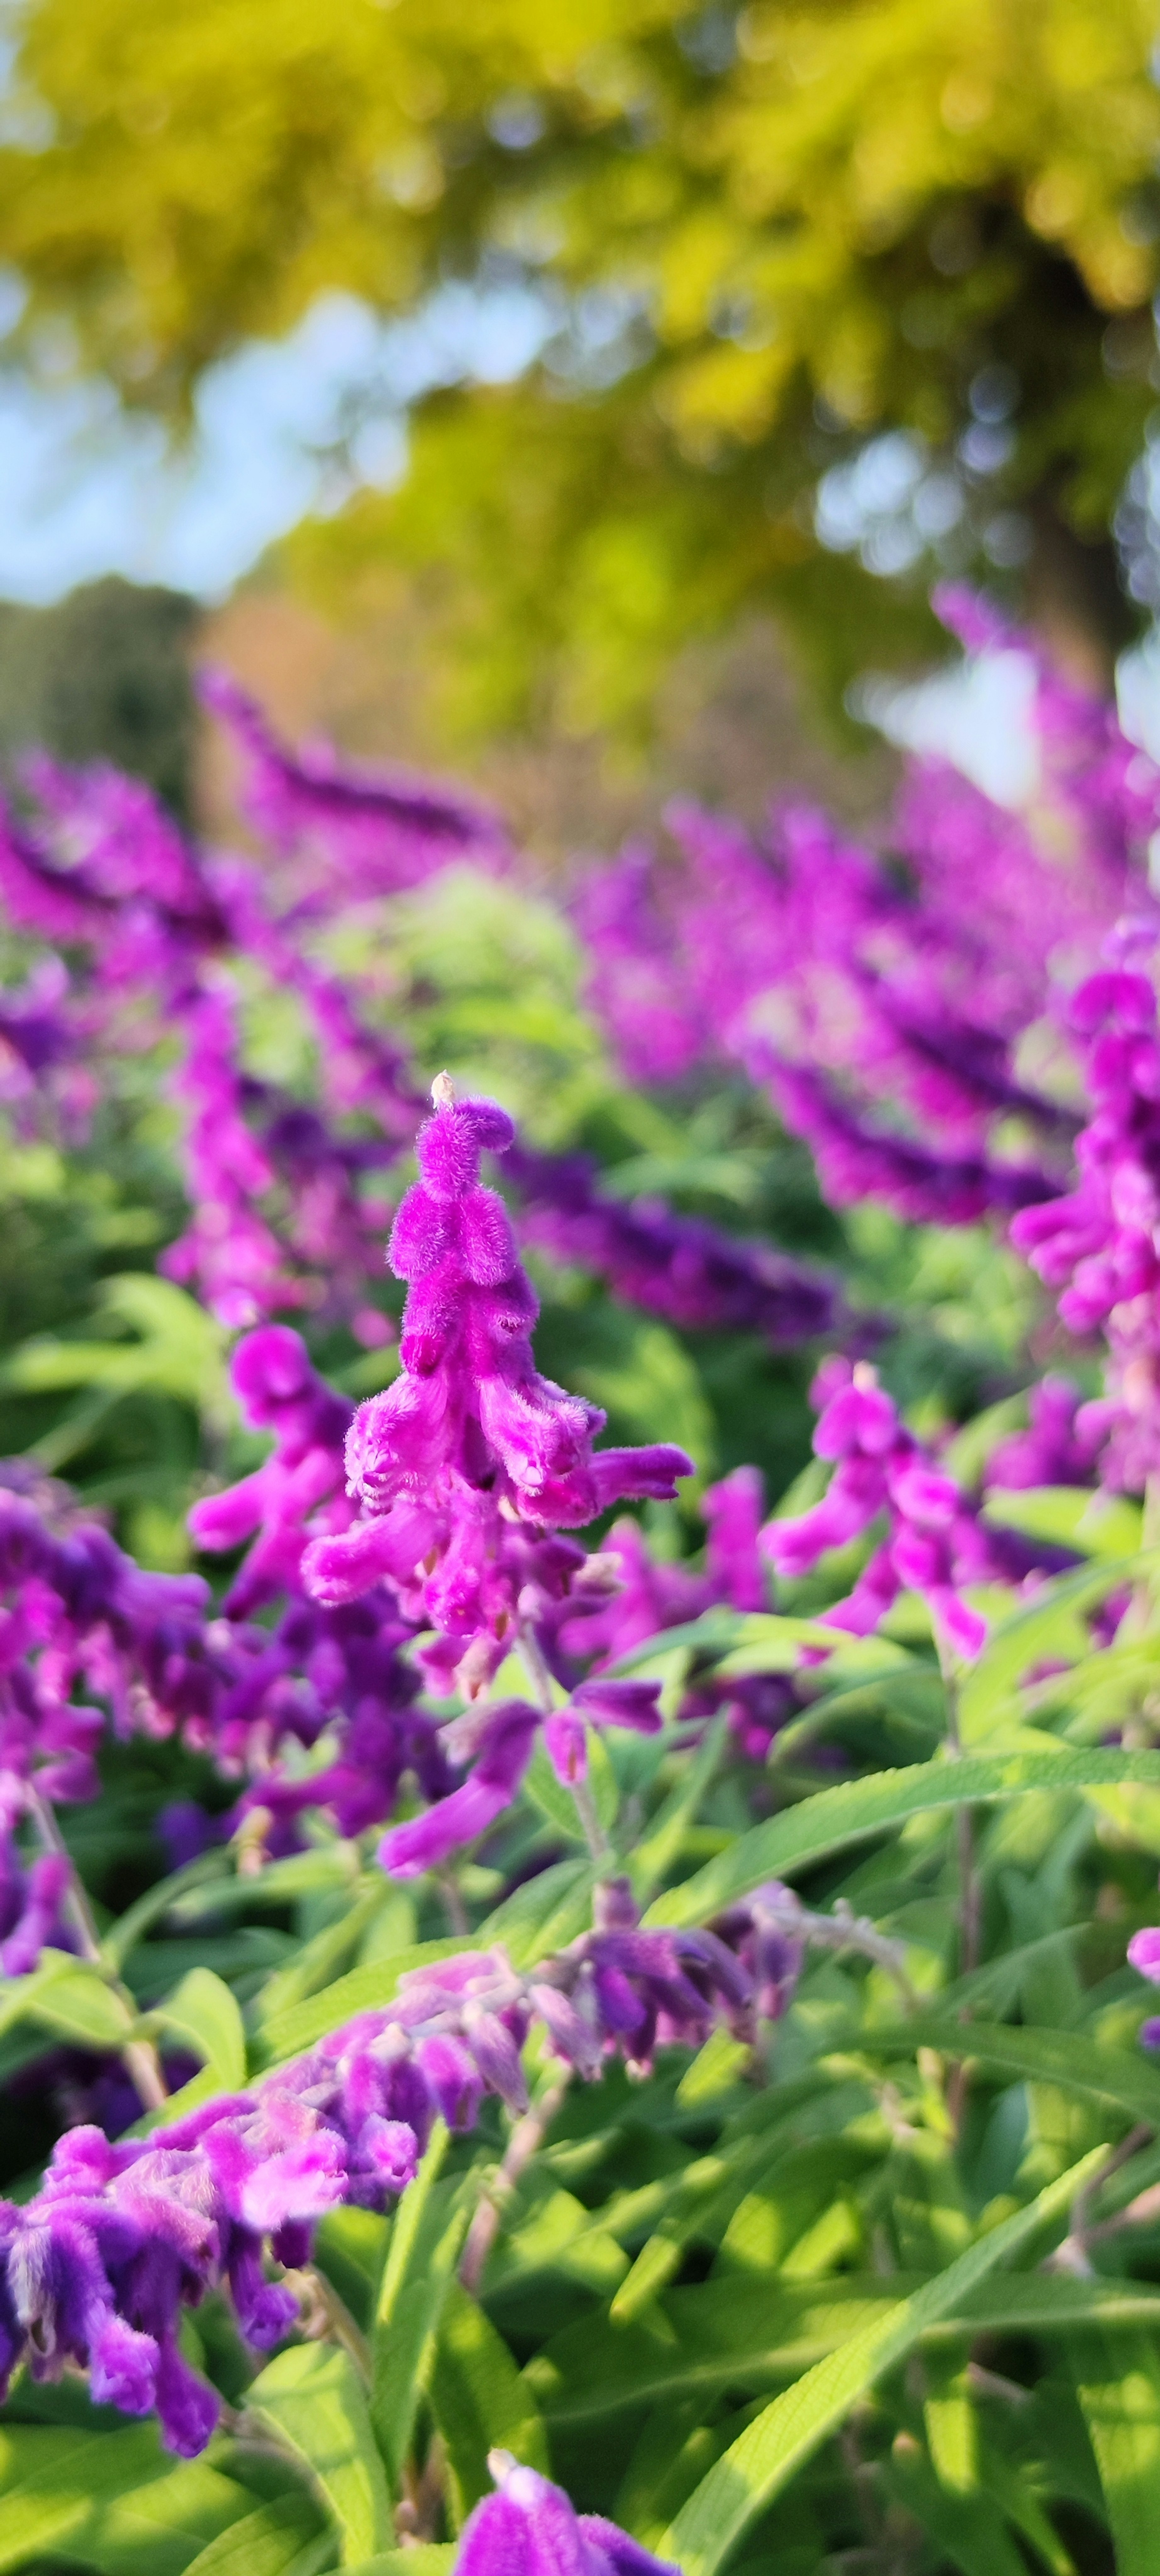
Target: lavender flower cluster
x=887 y=1007
x=97 y=2268
x=287 y=1204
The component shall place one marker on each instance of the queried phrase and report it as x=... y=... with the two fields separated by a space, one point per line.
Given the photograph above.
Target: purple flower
x=1098 y=1244
x=383 y=827
x=935 y=1541
x=98 y=2266
x=692 y=1273
x=471 y=1453
x=284 y=1499
x=529 y=2528
x=504 y=1752
x=1059 y=1447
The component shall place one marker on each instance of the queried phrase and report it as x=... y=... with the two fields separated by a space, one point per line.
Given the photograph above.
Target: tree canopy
x=766 y=238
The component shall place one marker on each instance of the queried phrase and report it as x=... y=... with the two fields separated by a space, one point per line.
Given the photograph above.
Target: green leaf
x=312 y=2401
x=968 y=2530
x=1098 y=1524
x=739 y=2333
x=1117 y=2378
x=741 y=2484
x=203 y=2012
x=157 y=2529
x=19 y=1996
x=548 y=1793
x=427 y=2558
x=314 y=1963
x=544 y=1914
x=651 y=1860
x=480 y=2402
x=80 y=2005
x=858 y=1808
x=301 y=1874
x=279 y=2539
x=1071 y=2058
x=426 y=2236
x=363 y=1989
x=52 y=2479
x=1047 y=1626
x=157 y=1901
x=714 y=1633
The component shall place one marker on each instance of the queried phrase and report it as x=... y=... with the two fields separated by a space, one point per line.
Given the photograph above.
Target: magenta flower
x=471 y=1453
x=279 y=1391
x=1098 y=1245
x=935 y=1542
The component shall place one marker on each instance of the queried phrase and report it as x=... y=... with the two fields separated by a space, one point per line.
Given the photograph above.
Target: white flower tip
x=443 y=1091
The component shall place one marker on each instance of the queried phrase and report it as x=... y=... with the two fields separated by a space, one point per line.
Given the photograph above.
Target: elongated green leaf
x=203 y=2012
x=861 y=1807
x=549 y=1794
x=741 y=2484
x=968 y=2529
x=1096 y=1524
x=52 y=2478
x=361 y=1990
x=544 y=1914
x=159 y=2528
x=1065 y=2057
x=312 y=2401
x=1046 y=1626
x=715 y=1632
x=748 y=2334
x=429 y=2558
x=1117 y=2378
x=480 y=2402
x=301 y=1874
x=315 y=1963
x=19 y=1996
x=651 y=1860
x=157 y=1901
x=284 y=2538
x=82 y=2007
x=426 y=2237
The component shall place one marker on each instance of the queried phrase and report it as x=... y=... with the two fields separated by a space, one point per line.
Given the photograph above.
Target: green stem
x=540 y=1681
x=138 y=2056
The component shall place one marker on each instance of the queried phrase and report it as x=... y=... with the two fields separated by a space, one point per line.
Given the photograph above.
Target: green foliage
x=764 y=234
x=102 y=675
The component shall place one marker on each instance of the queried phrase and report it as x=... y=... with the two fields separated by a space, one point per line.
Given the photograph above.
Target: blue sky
x=86 y=491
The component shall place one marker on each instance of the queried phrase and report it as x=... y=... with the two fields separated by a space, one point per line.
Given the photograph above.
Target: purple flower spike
x=935 y=1542
x=529 y=2528
x=430 y=1840
x=469 y=1463
x=611 y=1703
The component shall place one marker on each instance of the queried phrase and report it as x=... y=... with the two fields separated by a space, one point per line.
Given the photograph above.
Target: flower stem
x=138 y=2056
x=526 y=2138
x=540 y=1681
x=594 y=1833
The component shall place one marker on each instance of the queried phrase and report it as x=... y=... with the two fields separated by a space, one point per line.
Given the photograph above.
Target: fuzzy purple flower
x=98 y=2266
x=935 y=1542
x=470 y=1453
x=529 y=2528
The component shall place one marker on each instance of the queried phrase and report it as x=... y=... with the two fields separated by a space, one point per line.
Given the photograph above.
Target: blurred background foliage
x=774 y=247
